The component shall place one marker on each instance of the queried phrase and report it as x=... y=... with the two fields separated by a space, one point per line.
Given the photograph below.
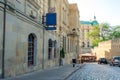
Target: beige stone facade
x=74 y=31
x=26 y=39
x=108 y=49
x=85 y=41
x=23 y=19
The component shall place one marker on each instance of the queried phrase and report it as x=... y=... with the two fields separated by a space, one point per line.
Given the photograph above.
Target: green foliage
x=115 y=33
x=62 y=53
x=103 y=32
x=95 y=42
x=94 y=35
x=105 y=26
x=99 y=33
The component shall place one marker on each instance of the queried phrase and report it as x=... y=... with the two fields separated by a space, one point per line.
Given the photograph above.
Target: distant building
x=85 y=42
x=107 y=49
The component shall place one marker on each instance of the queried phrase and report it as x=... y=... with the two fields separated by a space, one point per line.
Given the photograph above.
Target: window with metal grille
x=64 y=42
x=31 y=40
x=55 y=48
x=50 y=49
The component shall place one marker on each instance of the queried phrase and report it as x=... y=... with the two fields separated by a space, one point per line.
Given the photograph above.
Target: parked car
x=115 y=61
x=102 y=60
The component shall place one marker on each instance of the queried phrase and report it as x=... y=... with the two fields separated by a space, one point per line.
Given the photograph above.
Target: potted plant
x=62 y=55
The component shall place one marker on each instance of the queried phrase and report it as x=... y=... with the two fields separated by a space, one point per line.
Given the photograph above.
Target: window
x=31 y=49
x=49 y=49
x=64 y=15
x=64 y=42
x=88 y=30
x=83 y=44
x=68 y=45
x=55 y=48
x=49 y=3
x=83 y=33
x=88 y=44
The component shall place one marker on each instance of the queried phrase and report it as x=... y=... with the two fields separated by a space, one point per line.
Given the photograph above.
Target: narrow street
x=94 y=71
x=55 y=73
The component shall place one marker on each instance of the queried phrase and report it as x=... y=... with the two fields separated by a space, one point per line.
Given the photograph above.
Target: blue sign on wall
x=50 y=19
x=50 y=28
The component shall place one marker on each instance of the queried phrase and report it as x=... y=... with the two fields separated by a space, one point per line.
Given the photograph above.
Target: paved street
x=93 y=71
x=55 y=73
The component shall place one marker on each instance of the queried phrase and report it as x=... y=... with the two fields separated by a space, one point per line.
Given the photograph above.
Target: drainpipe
x=43 y=41
x=43 y=22
x=4 y=29
x=43 y=46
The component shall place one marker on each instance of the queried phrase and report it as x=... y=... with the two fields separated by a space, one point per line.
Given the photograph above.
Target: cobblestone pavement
x=94 y=71
x=56 y=73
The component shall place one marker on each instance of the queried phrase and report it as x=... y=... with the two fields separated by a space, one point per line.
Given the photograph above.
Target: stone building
x=28 y=46
x=74 y=32
x=85 y=42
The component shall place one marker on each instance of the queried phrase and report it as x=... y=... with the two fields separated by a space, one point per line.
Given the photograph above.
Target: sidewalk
x=56 y=73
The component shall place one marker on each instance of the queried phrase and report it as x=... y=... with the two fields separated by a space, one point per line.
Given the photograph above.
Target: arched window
x=55 y=48
x=49 y=3
x=83 y=44
x=31 y=49
x=50 y=49
x=64 y=42
x=88 y=44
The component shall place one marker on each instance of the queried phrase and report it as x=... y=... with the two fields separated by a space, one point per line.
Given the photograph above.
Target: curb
x=74 y=71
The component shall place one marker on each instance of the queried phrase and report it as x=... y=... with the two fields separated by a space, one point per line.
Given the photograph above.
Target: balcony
x=73 y=33
x=34 y=3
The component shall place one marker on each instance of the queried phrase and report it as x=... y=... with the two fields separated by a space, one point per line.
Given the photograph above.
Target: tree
x=115 y=32
x=103 y=33
x=105 y=30
x=94 y=35
x=99 y=33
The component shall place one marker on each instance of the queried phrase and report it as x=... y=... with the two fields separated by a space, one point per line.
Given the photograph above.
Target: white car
x=115 y=61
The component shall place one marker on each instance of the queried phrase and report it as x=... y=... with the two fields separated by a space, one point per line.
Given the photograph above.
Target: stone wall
x=103 y=49
x=17 y=32
x=16 y=49
x=52 y=62
x=108 y=49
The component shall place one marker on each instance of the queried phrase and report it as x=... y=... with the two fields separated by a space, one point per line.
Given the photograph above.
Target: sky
x=107 y=11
